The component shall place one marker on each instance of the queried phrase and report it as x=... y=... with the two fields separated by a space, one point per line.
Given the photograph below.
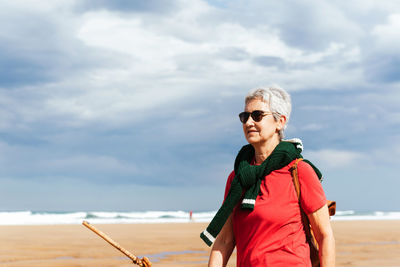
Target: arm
x=323 y=233
x=223 y=246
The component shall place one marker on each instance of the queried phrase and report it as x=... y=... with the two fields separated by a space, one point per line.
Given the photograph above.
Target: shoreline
x=177 y=222
x=358 y=243
x=146 y=217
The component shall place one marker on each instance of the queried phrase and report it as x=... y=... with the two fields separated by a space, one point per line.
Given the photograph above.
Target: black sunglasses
x=256 y=115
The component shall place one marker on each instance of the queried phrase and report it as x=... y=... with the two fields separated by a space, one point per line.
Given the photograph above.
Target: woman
x=261 y=214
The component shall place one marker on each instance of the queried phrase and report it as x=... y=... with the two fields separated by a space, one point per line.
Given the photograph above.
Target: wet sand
x=358 y=243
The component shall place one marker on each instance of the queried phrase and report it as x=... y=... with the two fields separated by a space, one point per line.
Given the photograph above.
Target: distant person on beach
x=261 y=212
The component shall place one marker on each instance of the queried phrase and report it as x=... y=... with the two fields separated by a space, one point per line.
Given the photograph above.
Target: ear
x=281 y=122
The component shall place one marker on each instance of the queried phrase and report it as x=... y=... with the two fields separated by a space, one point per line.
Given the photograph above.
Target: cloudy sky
x=132 y=105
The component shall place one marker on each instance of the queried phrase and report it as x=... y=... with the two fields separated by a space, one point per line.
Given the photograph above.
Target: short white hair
x=278 y=100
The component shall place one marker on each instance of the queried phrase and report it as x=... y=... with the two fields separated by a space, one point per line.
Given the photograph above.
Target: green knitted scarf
x=248 y=178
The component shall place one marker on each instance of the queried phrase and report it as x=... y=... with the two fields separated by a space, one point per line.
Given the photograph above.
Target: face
x=264 y=130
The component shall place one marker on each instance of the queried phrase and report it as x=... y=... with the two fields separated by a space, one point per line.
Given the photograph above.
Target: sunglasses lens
x=244 y=116
x=257 y=115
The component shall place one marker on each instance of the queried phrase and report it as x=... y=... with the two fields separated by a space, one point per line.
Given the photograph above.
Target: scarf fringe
x=208 y=238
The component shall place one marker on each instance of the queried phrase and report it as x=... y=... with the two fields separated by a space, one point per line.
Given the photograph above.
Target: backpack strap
x=295 y=176
x=314 y=254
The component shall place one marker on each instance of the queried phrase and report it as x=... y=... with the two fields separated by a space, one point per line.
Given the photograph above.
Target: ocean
x=107 y=217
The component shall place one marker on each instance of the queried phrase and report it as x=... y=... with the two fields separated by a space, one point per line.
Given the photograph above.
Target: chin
x=252 y=140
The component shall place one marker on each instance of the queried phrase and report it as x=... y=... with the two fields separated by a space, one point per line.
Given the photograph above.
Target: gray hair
x=277 y=99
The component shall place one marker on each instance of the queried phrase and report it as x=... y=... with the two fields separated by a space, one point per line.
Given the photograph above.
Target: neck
x=263 y=150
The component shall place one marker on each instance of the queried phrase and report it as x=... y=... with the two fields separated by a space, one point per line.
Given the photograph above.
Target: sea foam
x=114 y=217
x=101 y=217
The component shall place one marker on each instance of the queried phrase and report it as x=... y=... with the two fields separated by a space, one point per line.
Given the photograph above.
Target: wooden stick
x=145 y=262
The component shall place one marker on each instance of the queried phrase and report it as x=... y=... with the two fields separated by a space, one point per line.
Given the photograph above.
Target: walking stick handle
x=145 y=262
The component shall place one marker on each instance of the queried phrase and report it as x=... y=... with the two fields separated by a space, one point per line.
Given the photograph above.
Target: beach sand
x=358 y=243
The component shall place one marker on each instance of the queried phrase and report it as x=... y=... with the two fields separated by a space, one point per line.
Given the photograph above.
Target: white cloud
x=387 y=36
x=164 y=58
x=336 y=159
x=37 y=162
x=337 y=108
x=92 y=164
x=312 y=127
x=390 y=154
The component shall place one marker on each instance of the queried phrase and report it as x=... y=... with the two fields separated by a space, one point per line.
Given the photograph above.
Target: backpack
x=314 y=253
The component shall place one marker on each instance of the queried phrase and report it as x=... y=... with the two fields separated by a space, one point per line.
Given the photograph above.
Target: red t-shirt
x=272 y=234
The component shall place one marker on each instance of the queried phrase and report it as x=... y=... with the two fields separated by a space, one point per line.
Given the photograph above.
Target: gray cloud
x=380 y=52
x=382 y=68
x=270 y=61
x=234 y=53
x=151 y=6
x=39 y=47
x=308 y=25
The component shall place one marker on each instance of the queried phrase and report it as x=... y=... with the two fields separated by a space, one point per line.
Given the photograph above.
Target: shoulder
x=305 y=168
x=307 y=175
x=231 y=175
x=312 y=195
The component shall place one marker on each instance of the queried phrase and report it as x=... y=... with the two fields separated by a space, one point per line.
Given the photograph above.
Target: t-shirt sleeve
x=228 y=183
x=312 y=195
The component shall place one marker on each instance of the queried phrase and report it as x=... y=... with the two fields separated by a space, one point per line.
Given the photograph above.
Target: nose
x=249 y=122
